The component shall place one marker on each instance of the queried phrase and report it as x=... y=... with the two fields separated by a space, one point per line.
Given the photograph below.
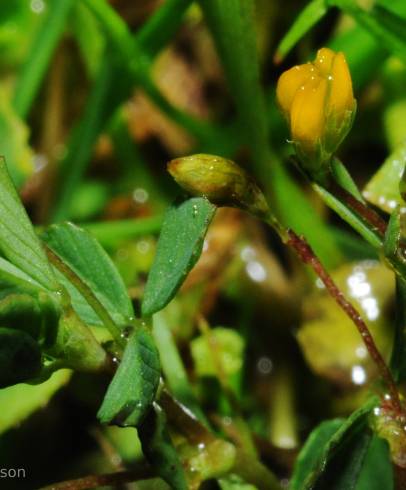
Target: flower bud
x=317 y=100
x=220 y=180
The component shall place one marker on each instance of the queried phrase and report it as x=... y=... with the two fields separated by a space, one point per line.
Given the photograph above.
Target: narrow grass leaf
x=232 y=23
x=38 y=59
x=385 y=25
x=161 y=27
x=179 y=247
x=308 y=17
x=111 y=87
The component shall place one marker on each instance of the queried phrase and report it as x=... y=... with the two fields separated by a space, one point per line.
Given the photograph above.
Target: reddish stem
x=97 y=481
x=307 y=255
x=400 y=477
x=365 y=212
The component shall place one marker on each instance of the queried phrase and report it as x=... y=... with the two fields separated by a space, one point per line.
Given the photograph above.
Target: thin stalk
x=246 y=466
x=172 y=366
x=97 y=481
x=88 y=294
x=283 y=426
x=307 y=255
x=364 y=212
x=244 y=431
x=110 y=233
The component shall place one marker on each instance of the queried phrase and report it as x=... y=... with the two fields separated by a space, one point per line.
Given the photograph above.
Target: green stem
x=283 y=426
x=173 y=367
x=246 y=466
x=109 y=233
x=162 y=26
x=87 y=293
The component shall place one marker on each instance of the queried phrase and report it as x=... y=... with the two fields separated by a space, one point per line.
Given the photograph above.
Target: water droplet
x=37 y=6
x=264 y=365
x=140 y=195
x=126 y=332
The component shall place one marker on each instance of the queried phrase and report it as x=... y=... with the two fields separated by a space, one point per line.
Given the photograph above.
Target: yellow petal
x=289 y=82
x=307 y=113
x=324 y=61
x=341 y=98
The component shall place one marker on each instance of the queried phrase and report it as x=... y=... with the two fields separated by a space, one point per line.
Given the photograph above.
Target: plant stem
x=307 y=255
x=248 y=467
x=111 y=233
x=88 y=294
x=364 y=212
x=97 y=481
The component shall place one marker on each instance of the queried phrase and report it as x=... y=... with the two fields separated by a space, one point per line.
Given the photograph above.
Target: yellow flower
x=318 y=102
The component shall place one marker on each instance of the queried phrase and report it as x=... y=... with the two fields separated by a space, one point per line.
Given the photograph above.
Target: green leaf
x=312 y=451
x=398 y=359
x=344 y=179
x=230 y=349
x=161 y=27
x=20 y=357
x=18 y=242
x=377 y=470
x=179 y=247
x=76 y=346
x=13 y=278
x=85 y=256
x=382 y=23
x=395 y=242
x=38 y=59
x=383 y=189
x=14 y=146
x=349 y=216
x=132 y=390
x=234 y=482
x=341 y=460
x=19 y=401
x=21 y=312
x=159 y=449
x=308 y=17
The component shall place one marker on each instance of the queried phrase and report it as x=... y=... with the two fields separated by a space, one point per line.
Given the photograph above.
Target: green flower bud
x=221 y=181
